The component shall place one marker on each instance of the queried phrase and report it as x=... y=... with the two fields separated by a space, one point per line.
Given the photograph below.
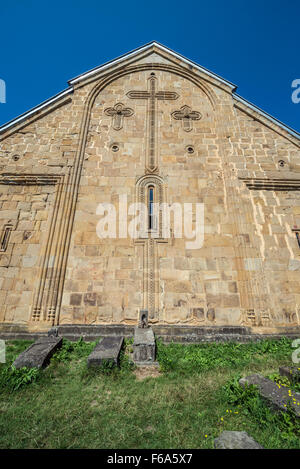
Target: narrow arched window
x=150 y=207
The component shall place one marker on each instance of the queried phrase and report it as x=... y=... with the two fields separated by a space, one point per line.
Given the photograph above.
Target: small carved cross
x=186 y=115
x=117 y=113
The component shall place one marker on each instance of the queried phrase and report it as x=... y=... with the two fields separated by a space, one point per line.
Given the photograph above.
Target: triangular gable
x=155 y=48
x=154 y=52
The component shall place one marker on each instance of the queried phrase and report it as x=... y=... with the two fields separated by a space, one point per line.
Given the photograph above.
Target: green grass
x=191 y=403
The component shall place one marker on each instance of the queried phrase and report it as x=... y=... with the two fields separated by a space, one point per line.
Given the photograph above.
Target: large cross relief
x=152 y=96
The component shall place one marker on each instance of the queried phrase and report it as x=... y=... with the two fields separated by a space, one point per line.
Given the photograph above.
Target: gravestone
x=108 y=350
x=38 y=354
x=277 y=396
x=144 y=346
x=236 y=440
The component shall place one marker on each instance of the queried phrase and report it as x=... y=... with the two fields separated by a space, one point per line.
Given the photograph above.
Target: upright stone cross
x=152 y=96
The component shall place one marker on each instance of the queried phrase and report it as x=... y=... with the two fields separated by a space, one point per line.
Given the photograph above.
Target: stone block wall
x=56 y=269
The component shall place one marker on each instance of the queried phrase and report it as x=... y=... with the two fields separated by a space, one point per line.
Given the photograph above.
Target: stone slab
x=108 y=350
x=147 y=364
x=292 y=373
x=236 y=440
x=38 y=354
x=276 y=396
x=143 y=336
x=143 y=345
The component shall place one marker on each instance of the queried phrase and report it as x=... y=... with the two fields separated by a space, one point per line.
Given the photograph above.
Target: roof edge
x=266 y=115
x=75 y=80
x=134 y=52
x=35 y=109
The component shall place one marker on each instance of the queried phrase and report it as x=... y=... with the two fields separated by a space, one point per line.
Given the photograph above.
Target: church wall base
x=167 y=333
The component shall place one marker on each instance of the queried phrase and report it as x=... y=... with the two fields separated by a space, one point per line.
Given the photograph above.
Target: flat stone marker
x=108 y=350
x=143 y=345
x=38 y=354
x=277 y=396
x=236 y=440
x=292 y=373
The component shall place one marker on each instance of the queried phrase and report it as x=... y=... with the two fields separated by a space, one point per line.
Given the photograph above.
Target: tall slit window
x=150 y=207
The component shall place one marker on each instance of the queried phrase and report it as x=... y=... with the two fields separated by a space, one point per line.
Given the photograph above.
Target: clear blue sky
x=252 y=43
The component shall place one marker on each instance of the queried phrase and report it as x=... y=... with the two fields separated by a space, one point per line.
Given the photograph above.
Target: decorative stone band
x=30 y=179
x=272 y=184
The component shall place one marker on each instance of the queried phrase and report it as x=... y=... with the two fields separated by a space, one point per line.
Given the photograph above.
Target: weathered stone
x=38 y=354
x=198 y=313
x=292 y=373
x=107 y=350
x=90 y=299
x=53 y=332
x=75 y=299
x=279 y=397
x=143 y=345
x=236 y=440
x=143 y=321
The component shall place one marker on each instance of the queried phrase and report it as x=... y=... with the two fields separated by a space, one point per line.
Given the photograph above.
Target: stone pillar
x=144 y=346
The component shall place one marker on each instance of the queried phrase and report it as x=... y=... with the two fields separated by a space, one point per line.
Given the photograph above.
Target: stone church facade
x=149 y=124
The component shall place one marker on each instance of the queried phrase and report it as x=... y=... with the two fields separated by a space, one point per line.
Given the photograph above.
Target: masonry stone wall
x=56 y=269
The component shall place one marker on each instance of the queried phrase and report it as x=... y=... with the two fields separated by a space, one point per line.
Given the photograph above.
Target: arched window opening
x=150 y=207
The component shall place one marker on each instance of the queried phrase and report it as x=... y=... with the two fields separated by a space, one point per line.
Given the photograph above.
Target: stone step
x=167 y=333
x=38 y=354
x=194 y=331
x=108 y=350
x=276 y=396
x=10 y=327
x=22 y=335
x=91 y=332
x=236 y=440
x=200 y=339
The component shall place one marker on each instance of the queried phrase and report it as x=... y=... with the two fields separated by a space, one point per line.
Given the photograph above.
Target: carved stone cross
x=186 y=115
x=117 y=113
x=152 y=96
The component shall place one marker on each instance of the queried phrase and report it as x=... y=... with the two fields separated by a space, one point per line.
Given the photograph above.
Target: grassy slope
x=71 y=407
